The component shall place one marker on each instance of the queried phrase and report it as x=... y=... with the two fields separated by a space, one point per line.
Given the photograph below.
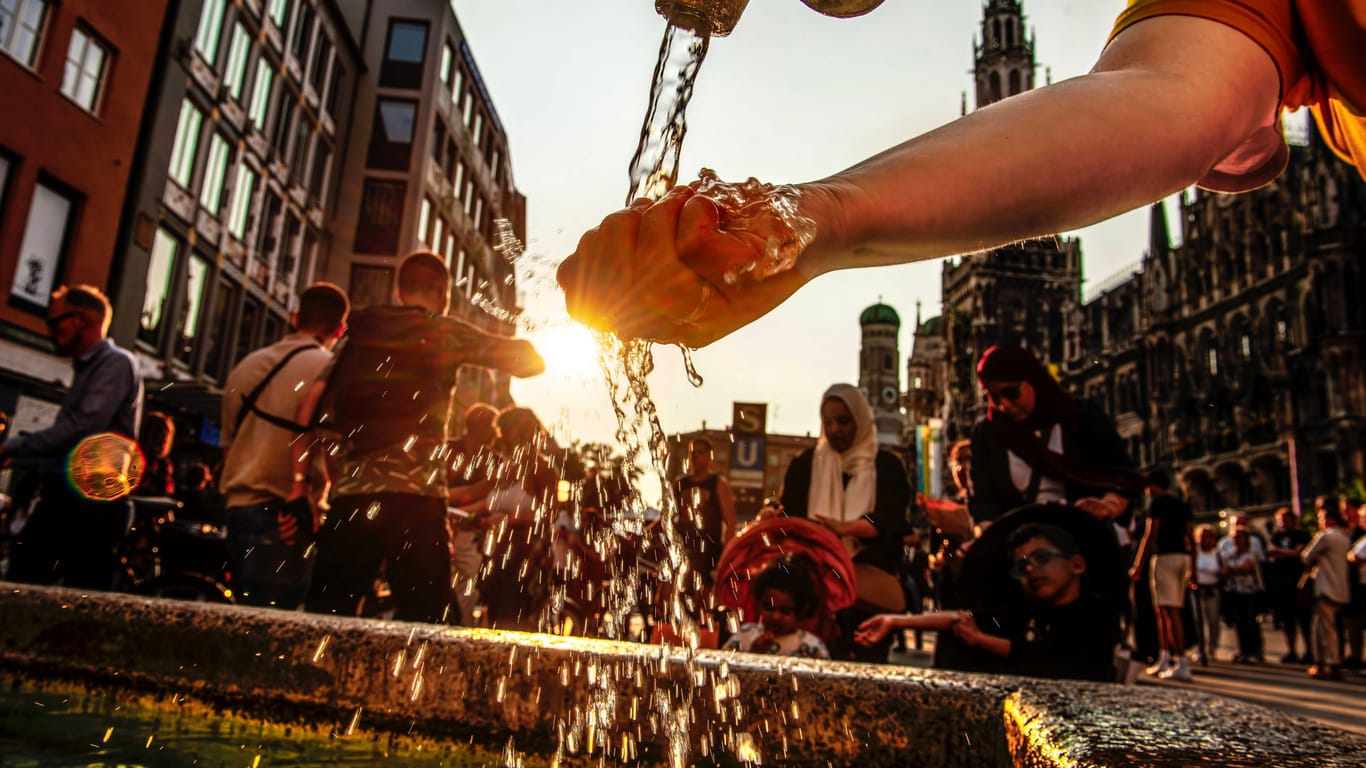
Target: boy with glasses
x=1057 y=630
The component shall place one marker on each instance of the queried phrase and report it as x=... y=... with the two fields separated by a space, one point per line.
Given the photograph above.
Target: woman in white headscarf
x=859 y=492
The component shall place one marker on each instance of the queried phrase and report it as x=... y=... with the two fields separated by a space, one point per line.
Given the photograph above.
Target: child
x=1060 y=631
x=784 y=595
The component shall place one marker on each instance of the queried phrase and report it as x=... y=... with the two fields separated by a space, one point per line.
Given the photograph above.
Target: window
x=40 y=253
x=284 y=117
x=392 y=135
x=21 y=22
x=333 y=86
x=303 y=33
x=403 y=55
x=279 y=11
x=217 y=329
x=260 y=93
x=241 y=202
x=271 y=209
x=84 y=75
x=210 y=28
x=188 y=320
x=447 y=59
x=284 y=263
x=457 y=85
x=322 y=57
x=186 y=142
x=317 y=180
x=247 y=328
x=298 y=163
x=436 y=234
x=4 y=178
x=215 y=173
x=381 y=214
x=235 y=71
x=423 y=220
x=159 y=272
x=478 y=127
x=370 y=286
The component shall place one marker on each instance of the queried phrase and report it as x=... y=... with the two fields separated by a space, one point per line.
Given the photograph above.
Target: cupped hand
x=666 y=272
x=873 y=630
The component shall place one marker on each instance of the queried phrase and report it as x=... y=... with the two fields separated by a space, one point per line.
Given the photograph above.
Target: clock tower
x=880 y=371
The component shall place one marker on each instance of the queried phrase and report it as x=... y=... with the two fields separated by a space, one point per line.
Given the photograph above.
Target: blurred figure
x=1242 y=576
x=1326 y=557
x=1207 y=580
x=156 y=440
x=1166 y=549
x=1350 y=615
x=69 y=538
x=1284 y=569
x=268 y=539
x=915 y=581
x=201 y=501
x=1356 y=560
x=473 y=459
x=518 y=570
x=706 y=510
x=387 y=394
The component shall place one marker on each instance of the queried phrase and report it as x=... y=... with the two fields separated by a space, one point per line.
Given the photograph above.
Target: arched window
x=1014 y=81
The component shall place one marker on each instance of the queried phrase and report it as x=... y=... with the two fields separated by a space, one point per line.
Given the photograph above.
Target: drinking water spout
x=716 y=18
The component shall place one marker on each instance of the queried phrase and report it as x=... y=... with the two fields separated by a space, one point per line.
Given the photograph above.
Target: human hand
x=873 y=630
x=1101 y=509
x=297 y=521
x=1135 y=573
x=666 y=271
x=833 y=525
x=966 y=628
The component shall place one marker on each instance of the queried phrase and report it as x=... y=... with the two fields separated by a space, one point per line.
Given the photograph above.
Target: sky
x=789 y=96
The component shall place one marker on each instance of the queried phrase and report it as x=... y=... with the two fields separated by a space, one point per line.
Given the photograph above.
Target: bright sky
x=789 y=96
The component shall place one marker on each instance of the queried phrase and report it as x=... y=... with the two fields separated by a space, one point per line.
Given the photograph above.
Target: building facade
x=229 y=207
x=76 y=74
x=428 y=167
x=1236 y=358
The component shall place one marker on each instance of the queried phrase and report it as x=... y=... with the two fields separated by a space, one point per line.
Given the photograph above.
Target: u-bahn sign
x=747 y=450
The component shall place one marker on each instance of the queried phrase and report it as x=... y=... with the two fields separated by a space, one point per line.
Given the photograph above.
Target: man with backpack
x=267 y=540
x=387 y=397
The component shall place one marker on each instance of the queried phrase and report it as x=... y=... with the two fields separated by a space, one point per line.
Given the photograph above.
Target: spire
x=1159 y=236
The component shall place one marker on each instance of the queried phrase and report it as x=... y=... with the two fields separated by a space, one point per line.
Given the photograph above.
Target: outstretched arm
x=1169 y=98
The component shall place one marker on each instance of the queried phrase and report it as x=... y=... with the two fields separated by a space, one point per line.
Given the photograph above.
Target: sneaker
x=1163 y=664
x=1178 y=671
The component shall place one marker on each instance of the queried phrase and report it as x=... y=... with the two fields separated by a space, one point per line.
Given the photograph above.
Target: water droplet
x=372 y=511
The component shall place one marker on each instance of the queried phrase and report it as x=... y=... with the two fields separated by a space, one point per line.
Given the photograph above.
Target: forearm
x=1166 y=102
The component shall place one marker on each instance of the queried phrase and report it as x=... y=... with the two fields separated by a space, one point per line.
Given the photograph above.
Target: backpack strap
x=249 y=399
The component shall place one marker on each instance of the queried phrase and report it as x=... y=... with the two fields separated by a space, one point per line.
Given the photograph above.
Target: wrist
x=820 y=202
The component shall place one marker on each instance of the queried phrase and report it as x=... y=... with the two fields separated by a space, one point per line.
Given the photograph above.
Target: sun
x=570 y=352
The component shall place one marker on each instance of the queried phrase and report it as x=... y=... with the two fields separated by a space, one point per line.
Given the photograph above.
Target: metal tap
x=718 y=17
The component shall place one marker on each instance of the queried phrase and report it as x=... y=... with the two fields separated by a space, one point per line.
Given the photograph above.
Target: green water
x=76 y=729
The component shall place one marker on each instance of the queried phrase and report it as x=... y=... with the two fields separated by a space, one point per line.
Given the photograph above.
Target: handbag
x=877 y=590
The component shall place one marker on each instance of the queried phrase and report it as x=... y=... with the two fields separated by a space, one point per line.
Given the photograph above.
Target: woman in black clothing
x=857 y=491
x=1038 y=444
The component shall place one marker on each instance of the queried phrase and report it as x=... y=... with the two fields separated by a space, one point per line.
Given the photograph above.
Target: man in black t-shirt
x=1166 y=550
x=1283 y=571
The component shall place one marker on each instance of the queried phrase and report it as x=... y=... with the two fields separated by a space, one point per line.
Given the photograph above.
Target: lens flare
x=105 y=467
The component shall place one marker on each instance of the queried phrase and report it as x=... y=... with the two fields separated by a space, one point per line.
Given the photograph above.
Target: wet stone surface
x=485 y=687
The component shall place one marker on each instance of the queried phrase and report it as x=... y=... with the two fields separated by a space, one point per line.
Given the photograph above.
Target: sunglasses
x=1038 y=559
x=1009 y=392
x=56 y=320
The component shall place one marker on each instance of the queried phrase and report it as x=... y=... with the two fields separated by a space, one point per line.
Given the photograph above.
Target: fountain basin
x=485 y=687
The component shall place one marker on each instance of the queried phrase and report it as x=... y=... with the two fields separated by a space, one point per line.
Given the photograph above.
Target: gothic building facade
x=1236 y=358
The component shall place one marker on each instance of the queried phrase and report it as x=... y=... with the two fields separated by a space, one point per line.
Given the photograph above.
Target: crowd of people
x=341 y=492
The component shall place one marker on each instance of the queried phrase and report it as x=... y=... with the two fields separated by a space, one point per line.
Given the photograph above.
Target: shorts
x=1169 y=574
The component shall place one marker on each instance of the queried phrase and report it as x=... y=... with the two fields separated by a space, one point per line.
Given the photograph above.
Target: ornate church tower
x=1005 y=58
x=880 y=371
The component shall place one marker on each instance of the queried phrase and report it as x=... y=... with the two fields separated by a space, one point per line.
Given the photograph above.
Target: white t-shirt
x=1051 y=489
x=799 y=643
